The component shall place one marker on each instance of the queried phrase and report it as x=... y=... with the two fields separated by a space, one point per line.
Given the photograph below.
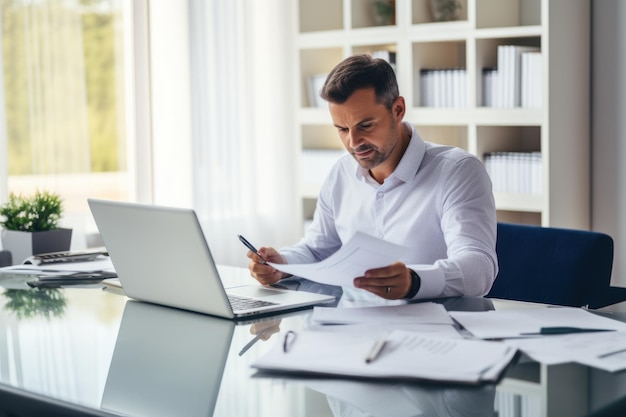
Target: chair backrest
x=552 y=265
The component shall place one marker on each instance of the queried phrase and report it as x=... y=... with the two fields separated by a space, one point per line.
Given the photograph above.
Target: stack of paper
x=604 y=348
x=405 y=356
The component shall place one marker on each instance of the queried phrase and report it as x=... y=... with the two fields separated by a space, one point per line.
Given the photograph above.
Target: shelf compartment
x=369 y=13
x=422 y=12
x=516 y=165
x=487 y=57
x=316 y=63
x=320 y=15
x=507 y=139
x=436 y=55
x=503 y=13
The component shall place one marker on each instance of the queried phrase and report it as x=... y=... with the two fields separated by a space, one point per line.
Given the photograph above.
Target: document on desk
x=17 y=276
x=404 y=356
x=356 y=256
x=100 y=264
x=436 y=330
x=423 y=313
x=496 y=324
x=604 y=350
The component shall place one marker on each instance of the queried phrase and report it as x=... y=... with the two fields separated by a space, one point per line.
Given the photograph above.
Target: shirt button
x=380 y=194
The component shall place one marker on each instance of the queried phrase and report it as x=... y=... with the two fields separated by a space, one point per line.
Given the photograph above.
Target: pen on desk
x=564 y=330
x=376 y=349
x=251 y=247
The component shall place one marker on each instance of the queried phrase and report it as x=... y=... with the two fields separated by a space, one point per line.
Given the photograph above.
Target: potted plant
x=385 y=12
x=30 y=225
x=445 y=10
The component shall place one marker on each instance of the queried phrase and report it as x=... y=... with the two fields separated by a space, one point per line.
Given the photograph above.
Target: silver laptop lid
x=160 y=255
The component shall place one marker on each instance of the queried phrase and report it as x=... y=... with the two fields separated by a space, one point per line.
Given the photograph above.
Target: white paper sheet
x=424 y=313
x=494 y=324
x=407 y=355
x=379 y=329
x=99 y=264
x=359 y=254
x=600 y=350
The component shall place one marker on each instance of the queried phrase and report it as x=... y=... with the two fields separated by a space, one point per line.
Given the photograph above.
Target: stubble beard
x=378 y=156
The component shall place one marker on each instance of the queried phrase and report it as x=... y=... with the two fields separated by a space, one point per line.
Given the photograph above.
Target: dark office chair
x=555 y=266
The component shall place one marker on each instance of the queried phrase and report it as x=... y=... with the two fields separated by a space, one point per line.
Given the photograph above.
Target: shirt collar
x=410 y=162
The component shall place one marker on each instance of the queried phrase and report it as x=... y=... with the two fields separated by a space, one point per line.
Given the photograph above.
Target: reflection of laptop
x=161 y=256
x=166 y=362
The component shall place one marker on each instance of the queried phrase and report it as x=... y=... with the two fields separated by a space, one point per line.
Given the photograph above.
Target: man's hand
x=392 y=282
x=266 y=274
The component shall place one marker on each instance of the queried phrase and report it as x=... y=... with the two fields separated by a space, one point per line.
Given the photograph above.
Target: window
x=63 y=81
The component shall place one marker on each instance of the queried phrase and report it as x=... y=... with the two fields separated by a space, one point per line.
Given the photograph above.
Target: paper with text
x=406 y=355
x=359 y=254
x=600 y=350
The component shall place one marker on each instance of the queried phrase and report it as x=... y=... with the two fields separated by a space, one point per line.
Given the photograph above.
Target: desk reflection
x=166 y=362
x=363 y=399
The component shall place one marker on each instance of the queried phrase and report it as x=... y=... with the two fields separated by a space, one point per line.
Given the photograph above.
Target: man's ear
x=399 y=107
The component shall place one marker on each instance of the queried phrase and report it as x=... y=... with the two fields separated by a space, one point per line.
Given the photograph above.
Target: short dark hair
x=361 y=71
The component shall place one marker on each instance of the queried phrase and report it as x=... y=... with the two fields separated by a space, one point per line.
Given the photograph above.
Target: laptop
x=161 y=256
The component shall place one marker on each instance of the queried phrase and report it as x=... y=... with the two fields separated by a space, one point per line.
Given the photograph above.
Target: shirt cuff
x=432 y=281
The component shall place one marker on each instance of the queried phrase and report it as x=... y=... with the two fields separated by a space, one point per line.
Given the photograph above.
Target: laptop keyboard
x=243 y=303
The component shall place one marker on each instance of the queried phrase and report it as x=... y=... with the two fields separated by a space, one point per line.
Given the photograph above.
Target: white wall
x=608 y=127
x=170 y=104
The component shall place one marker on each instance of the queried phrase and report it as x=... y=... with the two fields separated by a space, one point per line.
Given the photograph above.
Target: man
x=435 y=199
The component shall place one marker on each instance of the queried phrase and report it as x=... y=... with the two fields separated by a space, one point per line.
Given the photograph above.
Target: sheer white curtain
x=54 y=58
x=242 y=123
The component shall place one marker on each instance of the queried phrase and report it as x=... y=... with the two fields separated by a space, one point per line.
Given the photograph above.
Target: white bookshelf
x=328 y=31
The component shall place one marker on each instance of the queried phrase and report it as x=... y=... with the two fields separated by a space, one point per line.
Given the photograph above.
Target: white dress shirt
x=438 y=201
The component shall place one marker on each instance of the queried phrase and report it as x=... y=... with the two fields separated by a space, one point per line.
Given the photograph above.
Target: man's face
x=369 y=131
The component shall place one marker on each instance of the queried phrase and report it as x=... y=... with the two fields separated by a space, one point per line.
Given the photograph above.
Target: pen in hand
x=251 y=247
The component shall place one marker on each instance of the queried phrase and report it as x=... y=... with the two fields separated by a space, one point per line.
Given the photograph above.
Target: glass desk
x=99 y=353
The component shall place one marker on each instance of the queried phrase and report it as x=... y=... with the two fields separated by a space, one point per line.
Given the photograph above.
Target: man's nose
x=354 y=139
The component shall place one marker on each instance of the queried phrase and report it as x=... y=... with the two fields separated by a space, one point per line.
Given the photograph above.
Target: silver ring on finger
x=387 y=290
